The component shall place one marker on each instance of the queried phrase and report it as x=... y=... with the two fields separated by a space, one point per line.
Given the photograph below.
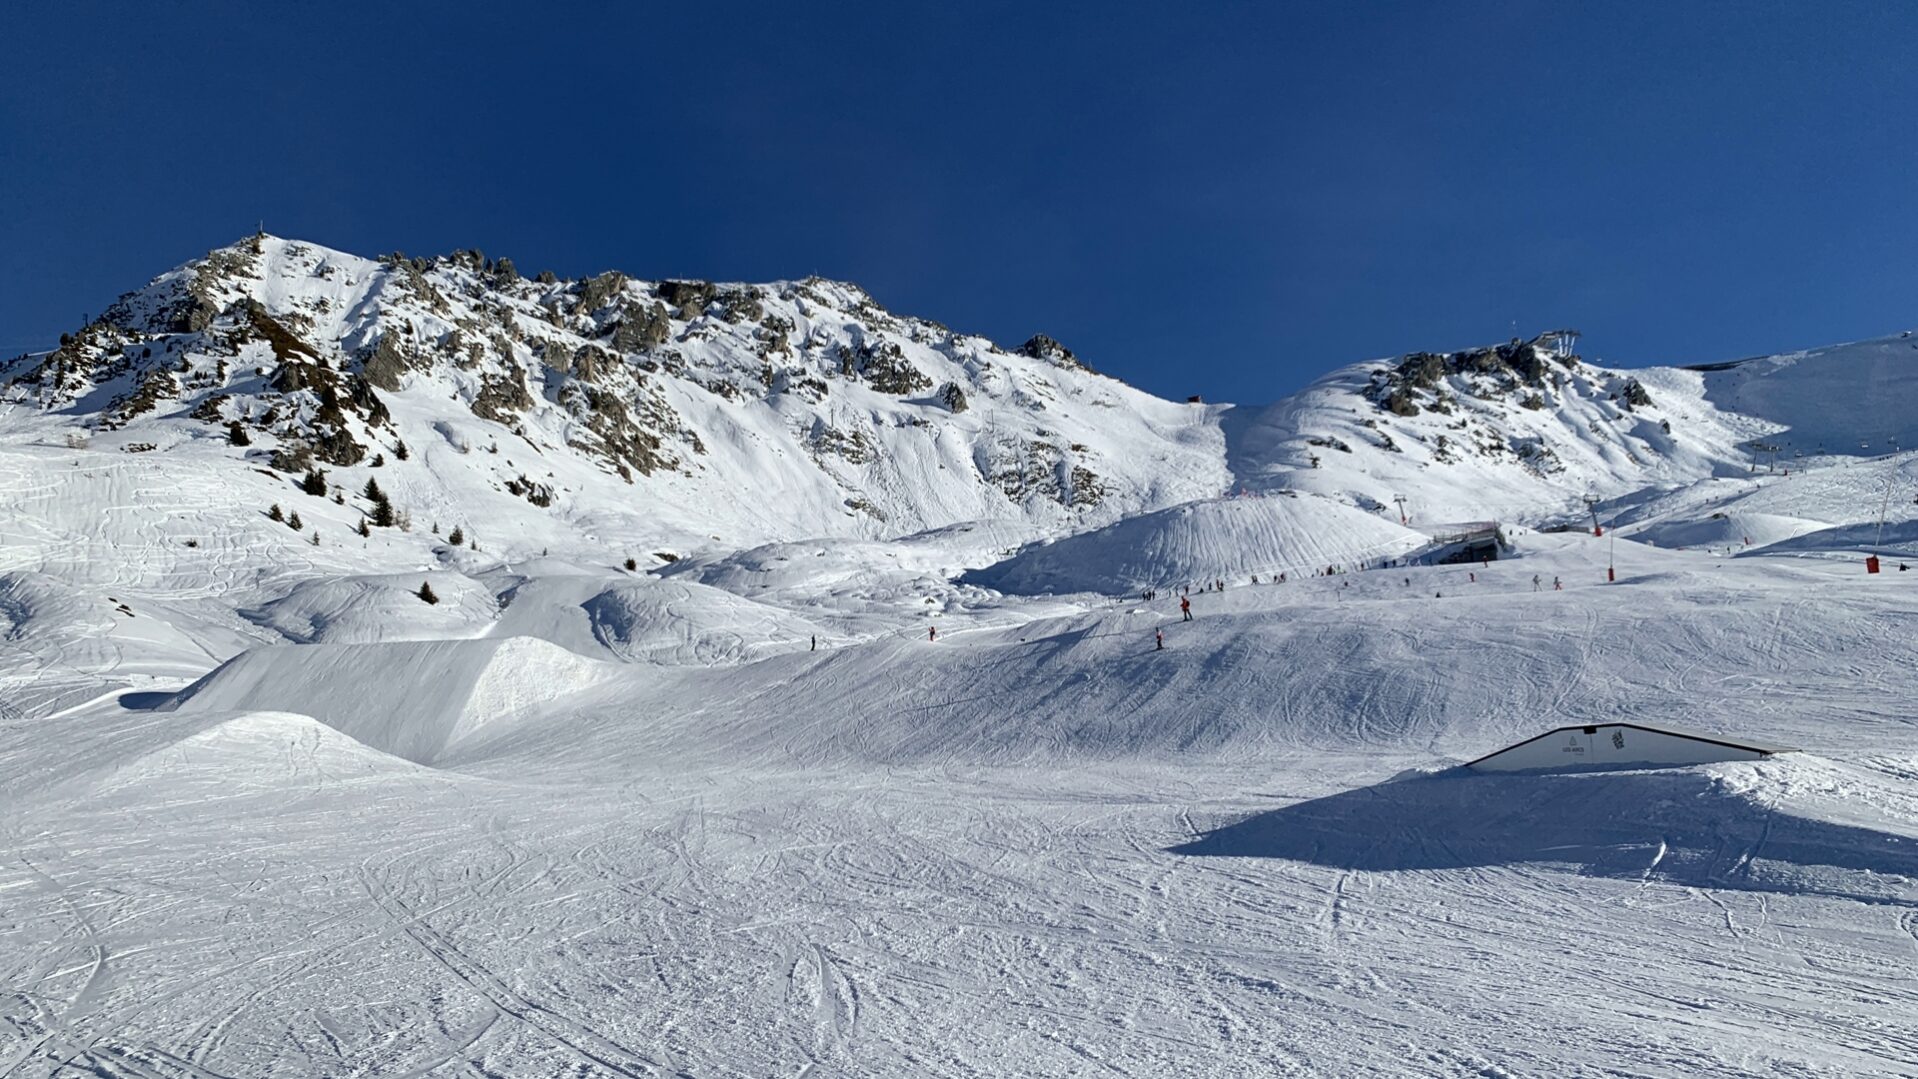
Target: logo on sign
x=1618 y=739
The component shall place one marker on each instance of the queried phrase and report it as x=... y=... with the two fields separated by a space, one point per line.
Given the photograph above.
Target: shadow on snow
x=1681 y=825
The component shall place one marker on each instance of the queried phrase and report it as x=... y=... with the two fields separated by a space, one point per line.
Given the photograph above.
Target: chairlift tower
x=1562 y=344
x=1611 y=550
x=1403 y=519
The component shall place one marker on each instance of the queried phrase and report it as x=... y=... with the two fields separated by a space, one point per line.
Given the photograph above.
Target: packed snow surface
x=791 y=760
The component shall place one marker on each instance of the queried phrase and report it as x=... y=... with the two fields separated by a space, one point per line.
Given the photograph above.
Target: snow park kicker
x=413 y=699
x=1617 y=745
x=674 y=778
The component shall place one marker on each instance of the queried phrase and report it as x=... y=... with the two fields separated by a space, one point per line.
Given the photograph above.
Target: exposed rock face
x=954 y=397
x=642 y=327
x=1422 y=370
x=691 y=297
x=741 y=305
x=884 y=366
x=1041 y=347
x=595 y=292
x=503 y=397
x=384 y=367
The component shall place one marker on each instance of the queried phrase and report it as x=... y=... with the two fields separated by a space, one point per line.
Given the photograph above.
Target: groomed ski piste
x=733 y=813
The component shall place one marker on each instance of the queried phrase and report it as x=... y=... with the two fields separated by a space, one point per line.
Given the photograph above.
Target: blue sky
x=1226 y=199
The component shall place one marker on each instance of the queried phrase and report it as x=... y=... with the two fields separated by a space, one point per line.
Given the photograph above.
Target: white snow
x=264 y=812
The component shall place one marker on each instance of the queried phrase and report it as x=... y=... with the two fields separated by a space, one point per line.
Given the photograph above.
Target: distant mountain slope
x=1518 y=431
x=1857 y=398
x=660 y=419
x=663 y=410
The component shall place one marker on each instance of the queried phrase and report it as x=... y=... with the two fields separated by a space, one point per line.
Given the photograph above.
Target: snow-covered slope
x=1232 y=539
x=1847 y=399
x=410 y=668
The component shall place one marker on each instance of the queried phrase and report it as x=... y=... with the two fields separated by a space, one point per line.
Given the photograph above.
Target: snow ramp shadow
x=1683 y=825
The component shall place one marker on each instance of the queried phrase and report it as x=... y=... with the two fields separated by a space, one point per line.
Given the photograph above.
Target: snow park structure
x=1613 y=745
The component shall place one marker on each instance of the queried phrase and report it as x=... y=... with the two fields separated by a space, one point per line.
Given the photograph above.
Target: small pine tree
x=363 y=530
x=426 y=592
x=339 y=498
x=294 y=522
x=236 y=434
x=383 y=514
x=314 y=484
x=632 y=563
x=436 y=528
x=373 y=492
x=379 y=460
x=276 y=513
x=456 y=537
x=400 y=452
x=316 y=537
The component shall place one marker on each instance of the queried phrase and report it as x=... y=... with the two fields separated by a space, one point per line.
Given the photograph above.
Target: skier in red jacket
x=1185 y=608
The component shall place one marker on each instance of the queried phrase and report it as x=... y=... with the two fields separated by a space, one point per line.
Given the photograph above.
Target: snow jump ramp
x=413 y=699
x=1619 y=745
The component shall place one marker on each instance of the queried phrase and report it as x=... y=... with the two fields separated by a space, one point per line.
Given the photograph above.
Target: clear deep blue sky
x=1226 y=199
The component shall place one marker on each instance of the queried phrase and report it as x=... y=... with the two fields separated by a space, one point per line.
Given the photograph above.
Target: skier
x=1159 y=635
x=932 y=633
x=815 y=642
x=1474 y=577
x=1534 y=582
x=1558 y=585
x=1185 y=608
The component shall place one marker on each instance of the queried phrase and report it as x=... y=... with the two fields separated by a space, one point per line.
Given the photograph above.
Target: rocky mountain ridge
x=684 y=415
x=302 y=353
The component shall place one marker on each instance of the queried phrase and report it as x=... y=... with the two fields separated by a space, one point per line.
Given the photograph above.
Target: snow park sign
x=1615 y=745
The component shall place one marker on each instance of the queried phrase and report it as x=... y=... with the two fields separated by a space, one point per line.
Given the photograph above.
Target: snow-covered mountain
x=672 y=416
x=664 y=410
x=397 y=404
x=407 y=667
